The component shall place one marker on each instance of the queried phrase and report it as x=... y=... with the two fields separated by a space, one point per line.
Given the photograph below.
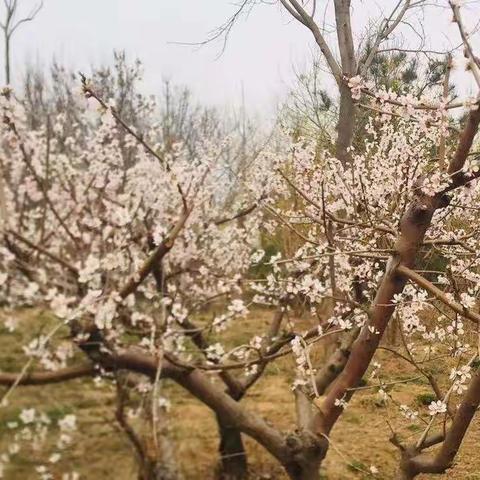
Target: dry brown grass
x=101 y=451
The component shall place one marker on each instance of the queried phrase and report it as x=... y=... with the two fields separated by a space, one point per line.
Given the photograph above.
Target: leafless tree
x=10 y=25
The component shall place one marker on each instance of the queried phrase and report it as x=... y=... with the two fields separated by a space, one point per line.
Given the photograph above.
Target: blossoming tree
x=127 y=242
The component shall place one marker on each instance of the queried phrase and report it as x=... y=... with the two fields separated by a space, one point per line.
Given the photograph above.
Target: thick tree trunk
x=304 y=471
x=405 y=475
x=233 y=458
x=307 y=452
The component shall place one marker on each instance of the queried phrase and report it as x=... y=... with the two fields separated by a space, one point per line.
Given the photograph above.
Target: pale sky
x=260 y=55
x=260 y=52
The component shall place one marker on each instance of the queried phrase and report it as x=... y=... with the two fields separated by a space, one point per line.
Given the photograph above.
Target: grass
x=100 y=450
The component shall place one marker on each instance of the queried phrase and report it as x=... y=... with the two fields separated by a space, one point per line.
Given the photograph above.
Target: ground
x=100 y=450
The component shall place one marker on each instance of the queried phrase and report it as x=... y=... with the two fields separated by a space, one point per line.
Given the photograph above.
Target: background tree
x=10 y=25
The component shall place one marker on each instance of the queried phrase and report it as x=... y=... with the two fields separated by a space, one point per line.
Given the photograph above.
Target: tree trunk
x=406 y=470
x=345 y=125
x=233 y=458
x=309 y=471
x=307 y=452
x=160 y=462
x=155 y=470
x=392 y=332
x=7 y=59
x=405 y=475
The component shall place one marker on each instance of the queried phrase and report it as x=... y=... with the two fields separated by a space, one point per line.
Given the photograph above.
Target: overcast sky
x=261 y=52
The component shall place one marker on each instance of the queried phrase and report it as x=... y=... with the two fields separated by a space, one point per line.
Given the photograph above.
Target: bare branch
x=309 y=22
x=46 y=378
